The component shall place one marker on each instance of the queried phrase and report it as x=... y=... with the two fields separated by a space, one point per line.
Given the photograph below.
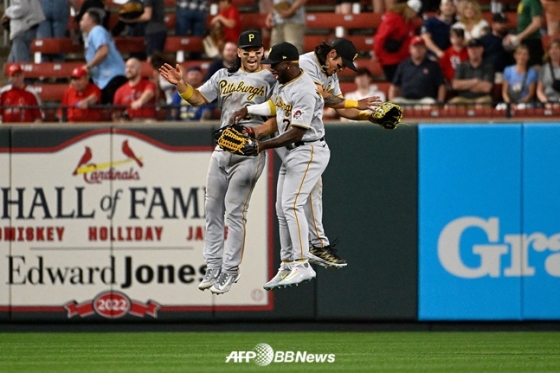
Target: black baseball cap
x=474 y=43
x=282 y=52
x=499 y=18
x=345 y=49
x=251 y=38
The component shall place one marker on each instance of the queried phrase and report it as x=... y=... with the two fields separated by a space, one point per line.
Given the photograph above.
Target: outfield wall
x=437 y=222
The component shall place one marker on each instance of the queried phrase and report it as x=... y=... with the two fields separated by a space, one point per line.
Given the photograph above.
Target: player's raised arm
x=174 y=75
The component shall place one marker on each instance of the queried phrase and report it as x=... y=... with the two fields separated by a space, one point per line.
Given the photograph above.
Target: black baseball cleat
x=326 y=257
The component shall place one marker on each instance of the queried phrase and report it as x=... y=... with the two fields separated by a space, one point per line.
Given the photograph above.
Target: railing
x=412 y=113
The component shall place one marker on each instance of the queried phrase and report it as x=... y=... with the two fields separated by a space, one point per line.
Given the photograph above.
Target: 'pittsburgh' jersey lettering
x=226 y=89
x=279 y=103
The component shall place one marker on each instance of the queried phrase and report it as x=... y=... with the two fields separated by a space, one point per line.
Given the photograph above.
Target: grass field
x=433 y=352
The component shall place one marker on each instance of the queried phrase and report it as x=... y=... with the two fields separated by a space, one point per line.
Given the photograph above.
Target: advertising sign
x=541 y=223
x=471 y=253
x=112 y=224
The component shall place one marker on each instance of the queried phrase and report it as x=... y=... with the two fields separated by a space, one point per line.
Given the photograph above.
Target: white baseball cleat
x=301 y=272
x=283 y=272
x=224 y=281
x=209 y=278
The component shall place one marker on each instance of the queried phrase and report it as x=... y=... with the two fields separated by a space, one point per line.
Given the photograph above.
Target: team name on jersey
x=286 y=107
x=227 y=88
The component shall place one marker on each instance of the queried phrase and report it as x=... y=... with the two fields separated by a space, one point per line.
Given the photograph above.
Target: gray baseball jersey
x=232 y=178
x=310 y=64
x=299 y=104
x=314 y=209
x=238 y=90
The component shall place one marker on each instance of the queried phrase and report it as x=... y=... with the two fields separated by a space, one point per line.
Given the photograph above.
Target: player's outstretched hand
x=172 y=74
x=238 y=115
x=369 y=103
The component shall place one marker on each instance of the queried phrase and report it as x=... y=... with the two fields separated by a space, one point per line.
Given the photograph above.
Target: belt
x=300 y=143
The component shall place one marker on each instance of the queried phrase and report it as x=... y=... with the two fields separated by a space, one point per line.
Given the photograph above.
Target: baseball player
x=231 y=178
x=298 y=109
x=322 y=65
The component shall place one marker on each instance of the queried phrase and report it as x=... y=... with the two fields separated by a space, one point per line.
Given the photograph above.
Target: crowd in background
x=431 y=53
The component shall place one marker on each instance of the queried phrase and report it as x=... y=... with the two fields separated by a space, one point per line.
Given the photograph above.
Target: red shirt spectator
x=229 y=20
x=79 y=97
x=392 y=39
x=138 y=94
x=15 y=96
x=450 y=60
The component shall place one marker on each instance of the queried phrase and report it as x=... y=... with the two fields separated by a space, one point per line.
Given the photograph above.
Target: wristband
x=364 y=115
x=350 y=104
x=188 y=93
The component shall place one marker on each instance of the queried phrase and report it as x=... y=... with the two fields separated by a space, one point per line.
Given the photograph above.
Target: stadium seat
x=181 y=44
x=50 y=91
x=330 y=20
x=52 y=46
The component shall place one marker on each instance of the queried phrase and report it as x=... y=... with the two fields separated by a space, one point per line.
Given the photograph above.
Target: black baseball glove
x=388 y=115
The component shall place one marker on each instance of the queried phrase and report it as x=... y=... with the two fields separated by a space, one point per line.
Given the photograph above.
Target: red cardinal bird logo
x=84 y=160
x=130 y=154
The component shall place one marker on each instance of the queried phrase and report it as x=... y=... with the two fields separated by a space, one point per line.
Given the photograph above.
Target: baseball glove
x=233 y=140
x=283 y=6
x=388 y=115
x=132 y=9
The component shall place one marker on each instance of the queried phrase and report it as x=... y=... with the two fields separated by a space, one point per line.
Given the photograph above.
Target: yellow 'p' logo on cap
x=251 y=37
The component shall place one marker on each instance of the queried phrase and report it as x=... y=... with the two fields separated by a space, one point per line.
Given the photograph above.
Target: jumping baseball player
x=298 y=109
x=231 y=178
x=322 y=65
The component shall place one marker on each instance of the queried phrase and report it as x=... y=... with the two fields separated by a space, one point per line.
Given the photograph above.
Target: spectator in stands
x=98 y=5
x=104 y=62
x=345 y=6
x=551 y=9
x=529 y=22
x=226 y=25
x=18 y=102
x=520 y=80
x=454 y=55
x=392 y=39
x=418 y=79
x=57 y=15
x=474 y=78
x=227 y=59
x=191 y=17
x=494 y=52
x=288 y=22
x=460 y=7
x=184 y=111
x=153 y=23
x=548 y=87
x=435 y=30
x=79 y=98
x=24 y=18
x=164 y=90
x=364 y=88
x=137 y=94
x=382 y=6
x=471 y=21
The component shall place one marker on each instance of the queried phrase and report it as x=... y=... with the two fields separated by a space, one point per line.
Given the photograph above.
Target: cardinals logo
x=97 y=172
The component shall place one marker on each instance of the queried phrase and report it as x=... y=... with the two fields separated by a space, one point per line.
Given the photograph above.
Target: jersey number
x=287 y=124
